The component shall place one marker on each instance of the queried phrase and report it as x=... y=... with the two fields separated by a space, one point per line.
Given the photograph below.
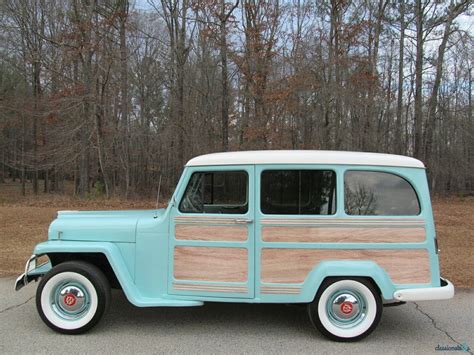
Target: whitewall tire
x=346 y=309
x=72 y=297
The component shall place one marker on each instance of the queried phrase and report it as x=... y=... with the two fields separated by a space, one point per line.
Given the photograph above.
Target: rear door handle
x=243 y=221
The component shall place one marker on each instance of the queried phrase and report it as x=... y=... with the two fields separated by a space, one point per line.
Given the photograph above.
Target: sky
x=466 y=22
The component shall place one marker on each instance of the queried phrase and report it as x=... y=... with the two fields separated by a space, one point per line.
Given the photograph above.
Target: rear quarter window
x=374 y=193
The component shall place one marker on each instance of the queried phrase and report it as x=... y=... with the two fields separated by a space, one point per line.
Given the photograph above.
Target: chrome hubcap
x=346 y=308
x=70 y=300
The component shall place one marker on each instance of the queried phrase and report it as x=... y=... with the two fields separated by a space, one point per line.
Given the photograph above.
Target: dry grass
x=24 y=222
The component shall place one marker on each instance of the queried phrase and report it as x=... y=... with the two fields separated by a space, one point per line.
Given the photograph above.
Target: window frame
x=214 y=169
x=298 y=168
x=385 y=171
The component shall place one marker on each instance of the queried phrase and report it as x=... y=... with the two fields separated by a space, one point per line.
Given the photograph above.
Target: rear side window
x=379 y=194
x=216 y=192
x=305 y=192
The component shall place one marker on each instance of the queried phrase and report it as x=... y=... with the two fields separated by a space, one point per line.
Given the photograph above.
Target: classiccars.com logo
x=458 y=347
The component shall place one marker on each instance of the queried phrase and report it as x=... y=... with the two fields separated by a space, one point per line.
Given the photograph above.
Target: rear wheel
x=346 y=309
x=72 y=297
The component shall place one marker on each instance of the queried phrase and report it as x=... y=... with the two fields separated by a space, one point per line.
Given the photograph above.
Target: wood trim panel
x=209 y=288
x=280 y=290
x=199 y=219
x=217 y=264
x=343 y=235
x=404 y=266
x=211 y=233
x=344 y=221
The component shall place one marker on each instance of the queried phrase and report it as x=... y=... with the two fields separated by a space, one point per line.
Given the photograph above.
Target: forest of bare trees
x=111 y=94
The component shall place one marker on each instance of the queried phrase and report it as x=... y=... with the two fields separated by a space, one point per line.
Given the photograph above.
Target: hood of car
x=104 y=226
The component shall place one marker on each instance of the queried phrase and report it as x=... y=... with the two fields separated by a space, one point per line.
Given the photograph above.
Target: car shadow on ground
x=239 y=318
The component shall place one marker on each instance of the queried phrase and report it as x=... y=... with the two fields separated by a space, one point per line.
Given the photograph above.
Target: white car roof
x=328 y=157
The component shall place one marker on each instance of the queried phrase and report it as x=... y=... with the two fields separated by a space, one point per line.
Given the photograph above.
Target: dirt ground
x=24 y=222
x=454 y=220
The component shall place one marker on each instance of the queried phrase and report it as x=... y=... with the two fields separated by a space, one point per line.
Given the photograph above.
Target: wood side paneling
x=211 y=233
x=342 y=235
x=293 y=265
x=210 y=264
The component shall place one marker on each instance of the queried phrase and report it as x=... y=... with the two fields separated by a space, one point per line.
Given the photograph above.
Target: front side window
x=305 y=192
x=379 y=194
x=216 y=192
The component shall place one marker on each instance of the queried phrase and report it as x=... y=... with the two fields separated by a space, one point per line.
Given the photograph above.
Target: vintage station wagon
x=343 y=232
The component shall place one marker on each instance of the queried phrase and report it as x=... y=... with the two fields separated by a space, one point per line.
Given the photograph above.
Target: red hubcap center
x=346 y=307
x=70 y=299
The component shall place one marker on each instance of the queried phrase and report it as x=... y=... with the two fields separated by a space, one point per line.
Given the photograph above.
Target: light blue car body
x=139 y=244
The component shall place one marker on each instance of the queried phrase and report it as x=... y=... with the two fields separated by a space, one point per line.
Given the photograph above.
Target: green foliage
x=97 y=191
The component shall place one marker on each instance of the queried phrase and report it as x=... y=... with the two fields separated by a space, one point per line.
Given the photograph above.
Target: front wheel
x=72 y=297
x=346 y=309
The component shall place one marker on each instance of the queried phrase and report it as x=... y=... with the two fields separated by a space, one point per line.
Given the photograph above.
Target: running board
x=164 y=302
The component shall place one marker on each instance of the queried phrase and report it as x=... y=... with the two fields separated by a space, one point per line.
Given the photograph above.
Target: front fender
x=116 y=261
x=111 y=252
x=367 y=269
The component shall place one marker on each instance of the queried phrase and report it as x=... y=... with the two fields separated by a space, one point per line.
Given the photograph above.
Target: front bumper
x=32 y=272
x=444 y=292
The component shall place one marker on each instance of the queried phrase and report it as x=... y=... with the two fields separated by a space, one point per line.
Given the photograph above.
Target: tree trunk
x=2 y=178
x=418 y=118
x=123 y=15
x=87 y=81
x=36 y=98
x=46 y=181
x=99 y=139
x=398 y=123
x=224 y=78
x=23 y=134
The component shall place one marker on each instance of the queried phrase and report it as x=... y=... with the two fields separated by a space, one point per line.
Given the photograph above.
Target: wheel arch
x=366 y=269
x=97 y=259
x=105 y=255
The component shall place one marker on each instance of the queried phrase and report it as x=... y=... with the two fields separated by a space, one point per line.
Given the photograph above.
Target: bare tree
x=110 y=95
x=453 y=11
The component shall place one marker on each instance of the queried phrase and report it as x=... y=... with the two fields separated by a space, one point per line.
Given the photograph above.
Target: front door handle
x=243 y=221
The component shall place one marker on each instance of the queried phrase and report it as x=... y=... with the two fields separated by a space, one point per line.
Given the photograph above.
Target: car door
x=211 y=249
